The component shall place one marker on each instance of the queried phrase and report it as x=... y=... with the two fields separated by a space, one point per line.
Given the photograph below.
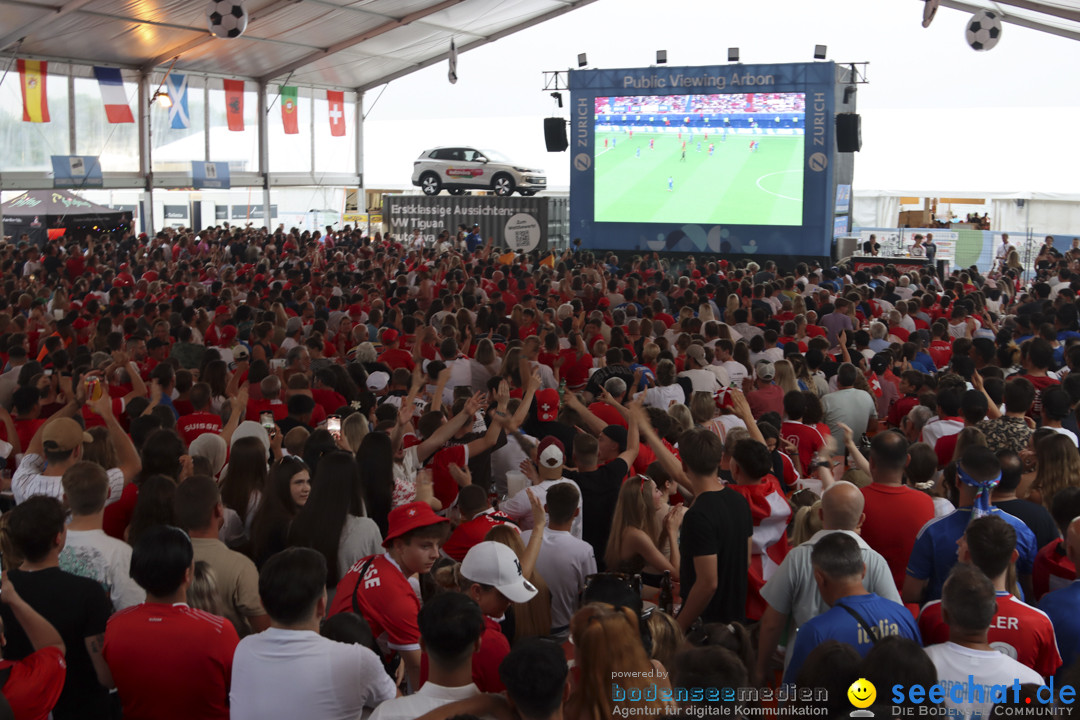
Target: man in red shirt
x=807 y=440
x=192 y=679
x=910 y=382
x=478 y=518
x=199 y=422
x=764 y=396
x=1020 y=631
x=378 y=588
x=894 y=512
x=392 y=355
x=491 y=575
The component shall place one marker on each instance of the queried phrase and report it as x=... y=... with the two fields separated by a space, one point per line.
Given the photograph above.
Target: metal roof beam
x=202 y=40
x=371 y=13
x=367 y=35
x=1015 y=20
x=1064 y=13
x=569 y=6
x=50 y=14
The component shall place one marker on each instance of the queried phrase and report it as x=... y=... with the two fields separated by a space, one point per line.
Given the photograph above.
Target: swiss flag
x=336 y=100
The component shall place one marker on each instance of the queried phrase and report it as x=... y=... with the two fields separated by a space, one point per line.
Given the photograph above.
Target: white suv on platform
x=458 y=169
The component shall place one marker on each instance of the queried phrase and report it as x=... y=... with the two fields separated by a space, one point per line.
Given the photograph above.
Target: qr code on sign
x=521 y=238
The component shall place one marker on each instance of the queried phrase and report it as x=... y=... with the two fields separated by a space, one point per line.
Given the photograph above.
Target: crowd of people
x=261 y=474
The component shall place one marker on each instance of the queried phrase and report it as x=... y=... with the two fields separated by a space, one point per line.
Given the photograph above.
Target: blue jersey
x=885 y=617
x=1063 y=608
x=934 y=553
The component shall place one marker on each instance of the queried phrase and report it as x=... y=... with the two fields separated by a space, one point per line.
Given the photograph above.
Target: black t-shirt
x=540 y=430
x=599 y=495
x=718 y=523
x=78 y=608
x=1035 y=516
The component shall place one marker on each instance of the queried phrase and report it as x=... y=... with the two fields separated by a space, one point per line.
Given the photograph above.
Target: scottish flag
x=178 y=113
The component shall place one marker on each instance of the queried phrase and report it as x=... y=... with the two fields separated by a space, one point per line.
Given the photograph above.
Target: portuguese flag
x=288 y=110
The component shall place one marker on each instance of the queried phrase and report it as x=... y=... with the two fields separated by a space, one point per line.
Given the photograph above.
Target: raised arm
x=594 y=424
x=664 y=456
x=536 y=539
x=127 y=457
x=441 y=436
x=742 y=410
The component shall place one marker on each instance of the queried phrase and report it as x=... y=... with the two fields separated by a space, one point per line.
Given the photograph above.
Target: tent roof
x=44 y=203
x=339 y=43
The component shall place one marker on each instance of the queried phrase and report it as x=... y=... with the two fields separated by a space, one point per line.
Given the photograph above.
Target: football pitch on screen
x=733 y=185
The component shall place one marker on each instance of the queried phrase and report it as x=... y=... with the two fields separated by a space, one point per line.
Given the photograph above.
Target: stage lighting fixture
x=582 y=60
x=820 y=52
x=733 y=54
x=558 y=97
x=661 y=57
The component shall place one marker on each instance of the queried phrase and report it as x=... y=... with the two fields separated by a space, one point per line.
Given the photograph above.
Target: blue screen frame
x=813 y=238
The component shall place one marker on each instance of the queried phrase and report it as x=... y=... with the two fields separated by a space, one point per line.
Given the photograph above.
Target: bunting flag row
x=33 y=75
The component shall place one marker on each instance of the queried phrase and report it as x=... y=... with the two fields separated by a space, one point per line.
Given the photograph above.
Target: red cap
x=390 y=335
x=227 y=333
x=150 y=275
x=550 y=458
x=409 y=441
x=695 y=274
x=547 y=405
x=356 y=310
x=603 y=303
x=409 y=517
x=221 y=310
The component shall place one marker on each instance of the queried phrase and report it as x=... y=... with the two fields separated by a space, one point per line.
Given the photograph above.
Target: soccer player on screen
x=638 y=153
x=605 y=143
x=699 y=147
x=652 y=142
x=711 y=148
x=670 y=183
x=683 y=158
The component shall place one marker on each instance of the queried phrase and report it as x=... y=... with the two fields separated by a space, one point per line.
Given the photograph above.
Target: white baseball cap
x=492 y=563
x=377 y=380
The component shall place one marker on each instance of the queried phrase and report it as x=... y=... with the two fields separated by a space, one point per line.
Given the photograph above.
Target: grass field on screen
x=734 y=186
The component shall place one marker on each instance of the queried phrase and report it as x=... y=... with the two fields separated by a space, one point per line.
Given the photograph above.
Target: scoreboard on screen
x=735 y=159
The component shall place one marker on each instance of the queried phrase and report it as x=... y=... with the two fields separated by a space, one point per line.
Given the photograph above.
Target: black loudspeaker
x=848 y=132
x=555 y=134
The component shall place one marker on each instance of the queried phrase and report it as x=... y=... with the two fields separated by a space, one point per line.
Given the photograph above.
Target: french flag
x=112 y=94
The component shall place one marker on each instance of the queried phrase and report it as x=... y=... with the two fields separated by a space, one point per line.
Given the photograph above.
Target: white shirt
x=954 y=663
x=298 y=674
x=702 y=380
x=28 y=481
x=93 y=554
x=429 y=697
x=936 y=428
x=508 y=459
x=1067 y=433
x=520 y=510
x=736 y=371
x=662 y=397
x=564 y=563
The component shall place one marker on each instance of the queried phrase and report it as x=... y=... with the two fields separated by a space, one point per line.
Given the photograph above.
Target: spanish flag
x=507 y=258
x=32 y=74
x=549 y=261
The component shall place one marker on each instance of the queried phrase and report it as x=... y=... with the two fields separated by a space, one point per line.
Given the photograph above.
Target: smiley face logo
x=862 y=693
